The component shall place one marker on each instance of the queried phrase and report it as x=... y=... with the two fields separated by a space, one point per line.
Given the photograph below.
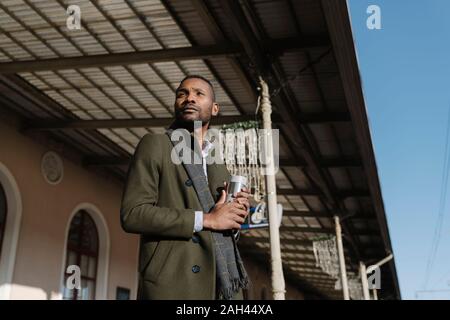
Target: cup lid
x=240 y=179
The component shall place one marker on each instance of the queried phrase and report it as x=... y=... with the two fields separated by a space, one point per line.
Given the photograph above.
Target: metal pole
x=341 y=259
x=278 y=285
x=375 y=295
x=379 y=263
x=365 y=282
x=374 y=267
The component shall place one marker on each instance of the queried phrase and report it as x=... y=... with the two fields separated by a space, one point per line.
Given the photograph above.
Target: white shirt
x=206 y=146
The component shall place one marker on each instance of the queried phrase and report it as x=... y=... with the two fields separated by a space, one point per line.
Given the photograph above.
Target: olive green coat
x=158 y=203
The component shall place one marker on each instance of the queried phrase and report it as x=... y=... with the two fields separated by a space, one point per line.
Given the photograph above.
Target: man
x=187 y=250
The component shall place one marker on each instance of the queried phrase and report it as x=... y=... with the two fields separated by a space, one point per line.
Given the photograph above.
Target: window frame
x=80 y=251
x=3 y=223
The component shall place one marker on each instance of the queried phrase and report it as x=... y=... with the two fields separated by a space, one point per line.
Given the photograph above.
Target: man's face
x=195 y=102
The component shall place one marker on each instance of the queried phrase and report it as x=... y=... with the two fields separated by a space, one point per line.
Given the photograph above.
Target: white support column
x=278 y=285
x=342 y=268
x=375 y=295
x=365 y=283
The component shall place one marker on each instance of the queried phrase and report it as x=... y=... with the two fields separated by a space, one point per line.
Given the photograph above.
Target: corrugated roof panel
x=310 y=17
x=264 y=233
x=9 y=24
x=304 y=88
x=352 y=204
x=282 y=181
x=171 y=72
x=33 y=44
x=140 y=131
x=293 y=63
x=283 y=148
x=312 y=222
x=61 y=99
x=297 y=202
x=298 y=222
x=286 y=205
x=114 y=137
x=327 y=63
x=270 y=14
x=239 y=90
x=79 y=99
x=219 y=15
x=188 y=15
x=357 y=177
x=162 y=23
x=286 y=221
x=85 y=78
x=34 y=80
x=331 y=87
x=27 y=16
x=340 y=178
x=326 y=222
x=297 y=176
x=325 y=140
x=145 y=73
x=164 y=93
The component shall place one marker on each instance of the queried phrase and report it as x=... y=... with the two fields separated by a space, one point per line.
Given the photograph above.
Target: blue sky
x=405 y=69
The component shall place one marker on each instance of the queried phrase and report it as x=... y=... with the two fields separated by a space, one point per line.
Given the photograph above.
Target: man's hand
x=226 y=216
x=242 y=198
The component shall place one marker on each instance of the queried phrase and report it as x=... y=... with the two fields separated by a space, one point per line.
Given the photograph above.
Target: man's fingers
x=236 y=226
x=243 y=194
x=244 y=202
x=223 y=197
x=246 y=190
x=240 y=212
x=238 y=205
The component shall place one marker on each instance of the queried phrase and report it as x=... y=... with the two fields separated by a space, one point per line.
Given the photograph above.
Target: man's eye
x=199 y=93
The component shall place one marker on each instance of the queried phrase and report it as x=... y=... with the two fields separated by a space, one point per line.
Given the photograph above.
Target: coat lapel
x=217 y=174
x=197 y=176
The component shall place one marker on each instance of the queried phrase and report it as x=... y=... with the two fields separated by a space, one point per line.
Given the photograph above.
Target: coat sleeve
x=139 y=213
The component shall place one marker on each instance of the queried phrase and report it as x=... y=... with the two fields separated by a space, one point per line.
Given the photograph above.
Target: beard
x=186 y=120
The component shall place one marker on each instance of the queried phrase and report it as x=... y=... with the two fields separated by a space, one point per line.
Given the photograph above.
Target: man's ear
x=215 y=109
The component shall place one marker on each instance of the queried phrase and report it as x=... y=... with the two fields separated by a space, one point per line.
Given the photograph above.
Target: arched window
x=82 y=251
x=3 y=210
x=10 y=217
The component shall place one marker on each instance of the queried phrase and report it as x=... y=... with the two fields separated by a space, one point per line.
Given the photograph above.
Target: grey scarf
x=230 y=271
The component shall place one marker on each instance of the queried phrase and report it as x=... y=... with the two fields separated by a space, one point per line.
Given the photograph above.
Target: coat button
x=195 y=238
x=188 y=182
x=195 y=269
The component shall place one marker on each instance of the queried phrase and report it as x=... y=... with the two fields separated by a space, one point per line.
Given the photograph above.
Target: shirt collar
x=207 y=145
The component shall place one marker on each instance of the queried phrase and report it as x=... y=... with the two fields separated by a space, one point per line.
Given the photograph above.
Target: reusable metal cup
x=235 y=186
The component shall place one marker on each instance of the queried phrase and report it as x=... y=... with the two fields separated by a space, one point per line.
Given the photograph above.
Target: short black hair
x=195 y=76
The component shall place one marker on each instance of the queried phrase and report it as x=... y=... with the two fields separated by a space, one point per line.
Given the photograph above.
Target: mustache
x=189 y=106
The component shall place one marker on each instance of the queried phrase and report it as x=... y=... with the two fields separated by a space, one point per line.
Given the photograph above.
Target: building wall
x=46 y=213
x=46 y=210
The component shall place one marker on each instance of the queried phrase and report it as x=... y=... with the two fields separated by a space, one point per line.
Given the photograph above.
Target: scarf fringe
x=236 y=284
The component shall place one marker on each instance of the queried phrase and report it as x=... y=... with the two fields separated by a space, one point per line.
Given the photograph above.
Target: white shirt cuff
x=198 y=224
